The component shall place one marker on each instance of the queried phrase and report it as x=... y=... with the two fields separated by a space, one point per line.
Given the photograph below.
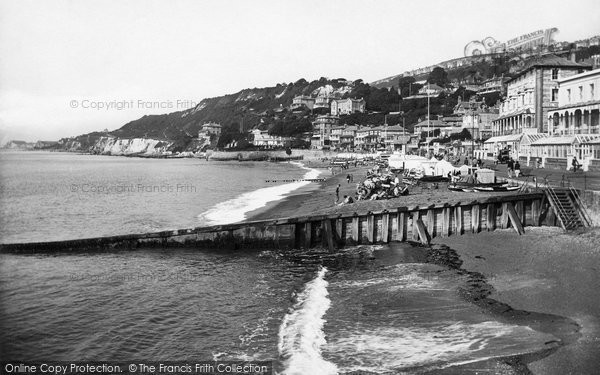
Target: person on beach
x=348 y=178
x=337 y=193
x=347 y=200
x=517 y=169
x=510 y=165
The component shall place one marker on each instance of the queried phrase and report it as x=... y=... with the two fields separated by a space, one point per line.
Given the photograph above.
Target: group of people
x=513 y=167
x=380 y=186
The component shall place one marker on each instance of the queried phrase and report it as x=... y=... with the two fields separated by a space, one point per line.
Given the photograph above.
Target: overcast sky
x=58 y=59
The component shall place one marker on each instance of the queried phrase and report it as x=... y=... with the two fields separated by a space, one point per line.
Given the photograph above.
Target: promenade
x=556 y=177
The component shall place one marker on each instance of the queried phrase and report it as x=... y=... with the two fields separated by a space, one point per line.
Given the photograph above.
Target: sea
x=367 y=309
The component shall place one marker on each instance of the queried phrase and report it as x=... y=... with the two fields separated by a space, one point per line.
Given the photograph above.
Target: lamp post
x=472 y=136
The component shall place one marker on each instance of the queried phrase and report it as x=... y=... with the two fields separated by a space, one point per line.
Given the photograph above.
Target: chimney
x=539 y=104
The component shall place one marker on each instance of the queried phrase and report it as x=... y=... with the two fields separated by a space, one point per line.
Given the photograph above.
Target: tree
x=438 y=76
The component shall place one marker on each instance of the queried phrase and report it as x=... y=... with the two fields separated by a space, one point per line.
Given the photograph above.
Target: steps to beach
x=568 y=208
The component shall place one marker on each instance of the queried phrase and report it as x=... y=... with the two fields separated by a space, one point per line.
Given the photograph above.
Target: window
x=569 y=95
x=555 y=73
x=580 y=92
x=591 y=91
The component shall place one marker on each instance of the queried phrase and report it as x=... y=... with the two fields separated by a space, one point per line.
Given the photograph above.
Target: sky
x=70 y=67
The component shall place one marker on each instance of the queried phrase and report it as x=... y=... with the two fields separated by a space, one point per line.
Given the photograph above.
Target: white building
x=262 y=138
x=347 y=106
x=578 y=109
x=321 y=138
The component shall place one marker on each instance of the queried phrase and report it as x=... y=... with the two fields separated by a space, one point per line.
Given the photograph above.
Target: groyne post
x=514 y=218
x=329 y=231
x=385 y=227
x=446 y=222
x=458 y=220
x=475 y=220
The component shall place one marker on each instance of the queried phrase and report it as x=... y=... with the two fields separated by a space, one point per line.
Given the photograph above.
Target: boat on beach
x=481 y=187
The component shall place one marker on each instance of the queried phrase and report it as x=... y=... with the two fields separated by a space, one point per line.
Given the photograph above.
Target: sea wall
x=415 y=223
x=297 y=154
x=591 y=200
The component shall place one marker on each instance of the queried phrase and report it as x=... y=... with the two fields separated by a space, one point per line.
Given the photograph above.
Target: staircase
x=568 y=207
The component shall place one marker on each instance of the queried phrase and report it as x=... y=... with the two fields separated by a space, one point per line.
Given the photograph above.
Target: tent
x=443 y=167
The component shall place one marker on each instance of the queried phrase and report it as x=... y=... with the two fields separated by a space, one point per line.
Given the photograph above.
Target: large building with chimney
x=532 y=93
x=347 y=106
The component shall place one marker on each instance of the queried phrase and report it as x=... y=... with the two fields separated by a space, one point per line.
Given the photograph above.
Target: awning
x=505 y=138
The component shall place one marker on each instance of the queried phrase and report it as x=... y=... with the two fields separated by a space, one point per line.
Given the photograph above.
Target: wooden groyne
x=413 y=223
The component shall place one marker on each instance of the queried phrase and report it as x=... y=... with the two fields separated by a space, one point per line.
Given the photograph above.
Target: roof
x=533 y=137
x=432 y=123
x=505 y=138
x=550 y=61
x=396 y=128
x=432 y=86
x=568 y=140
x=524 y=111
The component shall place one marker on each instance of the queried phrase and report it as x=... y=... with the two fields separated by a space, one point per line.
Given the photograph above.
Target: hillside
x=479 y=68
x=268 y=108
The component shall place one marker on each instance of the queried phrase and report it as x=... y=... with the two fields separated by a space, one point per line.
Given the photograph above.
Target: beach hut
x=443 y=167
x=407 y=161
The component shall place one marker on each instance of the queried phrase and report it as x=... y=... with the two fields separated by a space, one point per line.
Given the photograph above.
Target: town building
x=430 y=127
x=574 y=125
x=368 y=138
x=342 y=137
x=532 y=93
x=465 y=106
x=321 y=139
x=209 y=128
x=262 y=138
x=303 y=101
x=479 y=122
x=431 y=90
x=322 y=101
x=578 y=110
x=493 y=85
x=395 y=138
x=347 y=106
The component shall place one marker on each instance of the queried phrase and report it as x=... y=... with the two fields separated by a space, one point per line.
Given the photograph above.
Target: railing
x=567 y=221
x=580 y=206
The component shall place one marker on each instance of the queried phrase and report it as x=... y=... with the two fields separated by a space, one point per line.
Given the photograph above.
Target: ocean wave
x=236 y=209
x=436 y=346
x=301 y=335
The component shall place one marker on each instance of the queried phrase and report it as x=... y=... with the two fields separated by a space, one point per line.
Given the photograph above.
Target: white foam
x=235 y=210
x=301 y=335
x=384 y=349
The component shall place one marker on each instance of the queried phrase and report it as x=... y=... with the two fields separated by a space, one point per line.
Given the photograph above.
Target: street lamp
x=472 y=136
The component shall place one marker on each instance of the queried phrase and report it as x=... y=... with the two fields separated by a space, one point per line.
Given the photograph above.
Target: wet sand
x=544 y=271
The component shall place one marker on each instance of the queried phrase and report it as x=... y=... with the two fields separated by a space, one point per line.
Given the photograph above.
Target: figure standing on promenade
x=510 y=165
x=517 y=169
x=337 y=193
x=575 y=164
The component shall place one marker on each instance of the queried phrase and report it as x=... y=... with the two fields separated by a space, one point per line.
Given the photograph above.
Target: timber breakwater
x=417 y=223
